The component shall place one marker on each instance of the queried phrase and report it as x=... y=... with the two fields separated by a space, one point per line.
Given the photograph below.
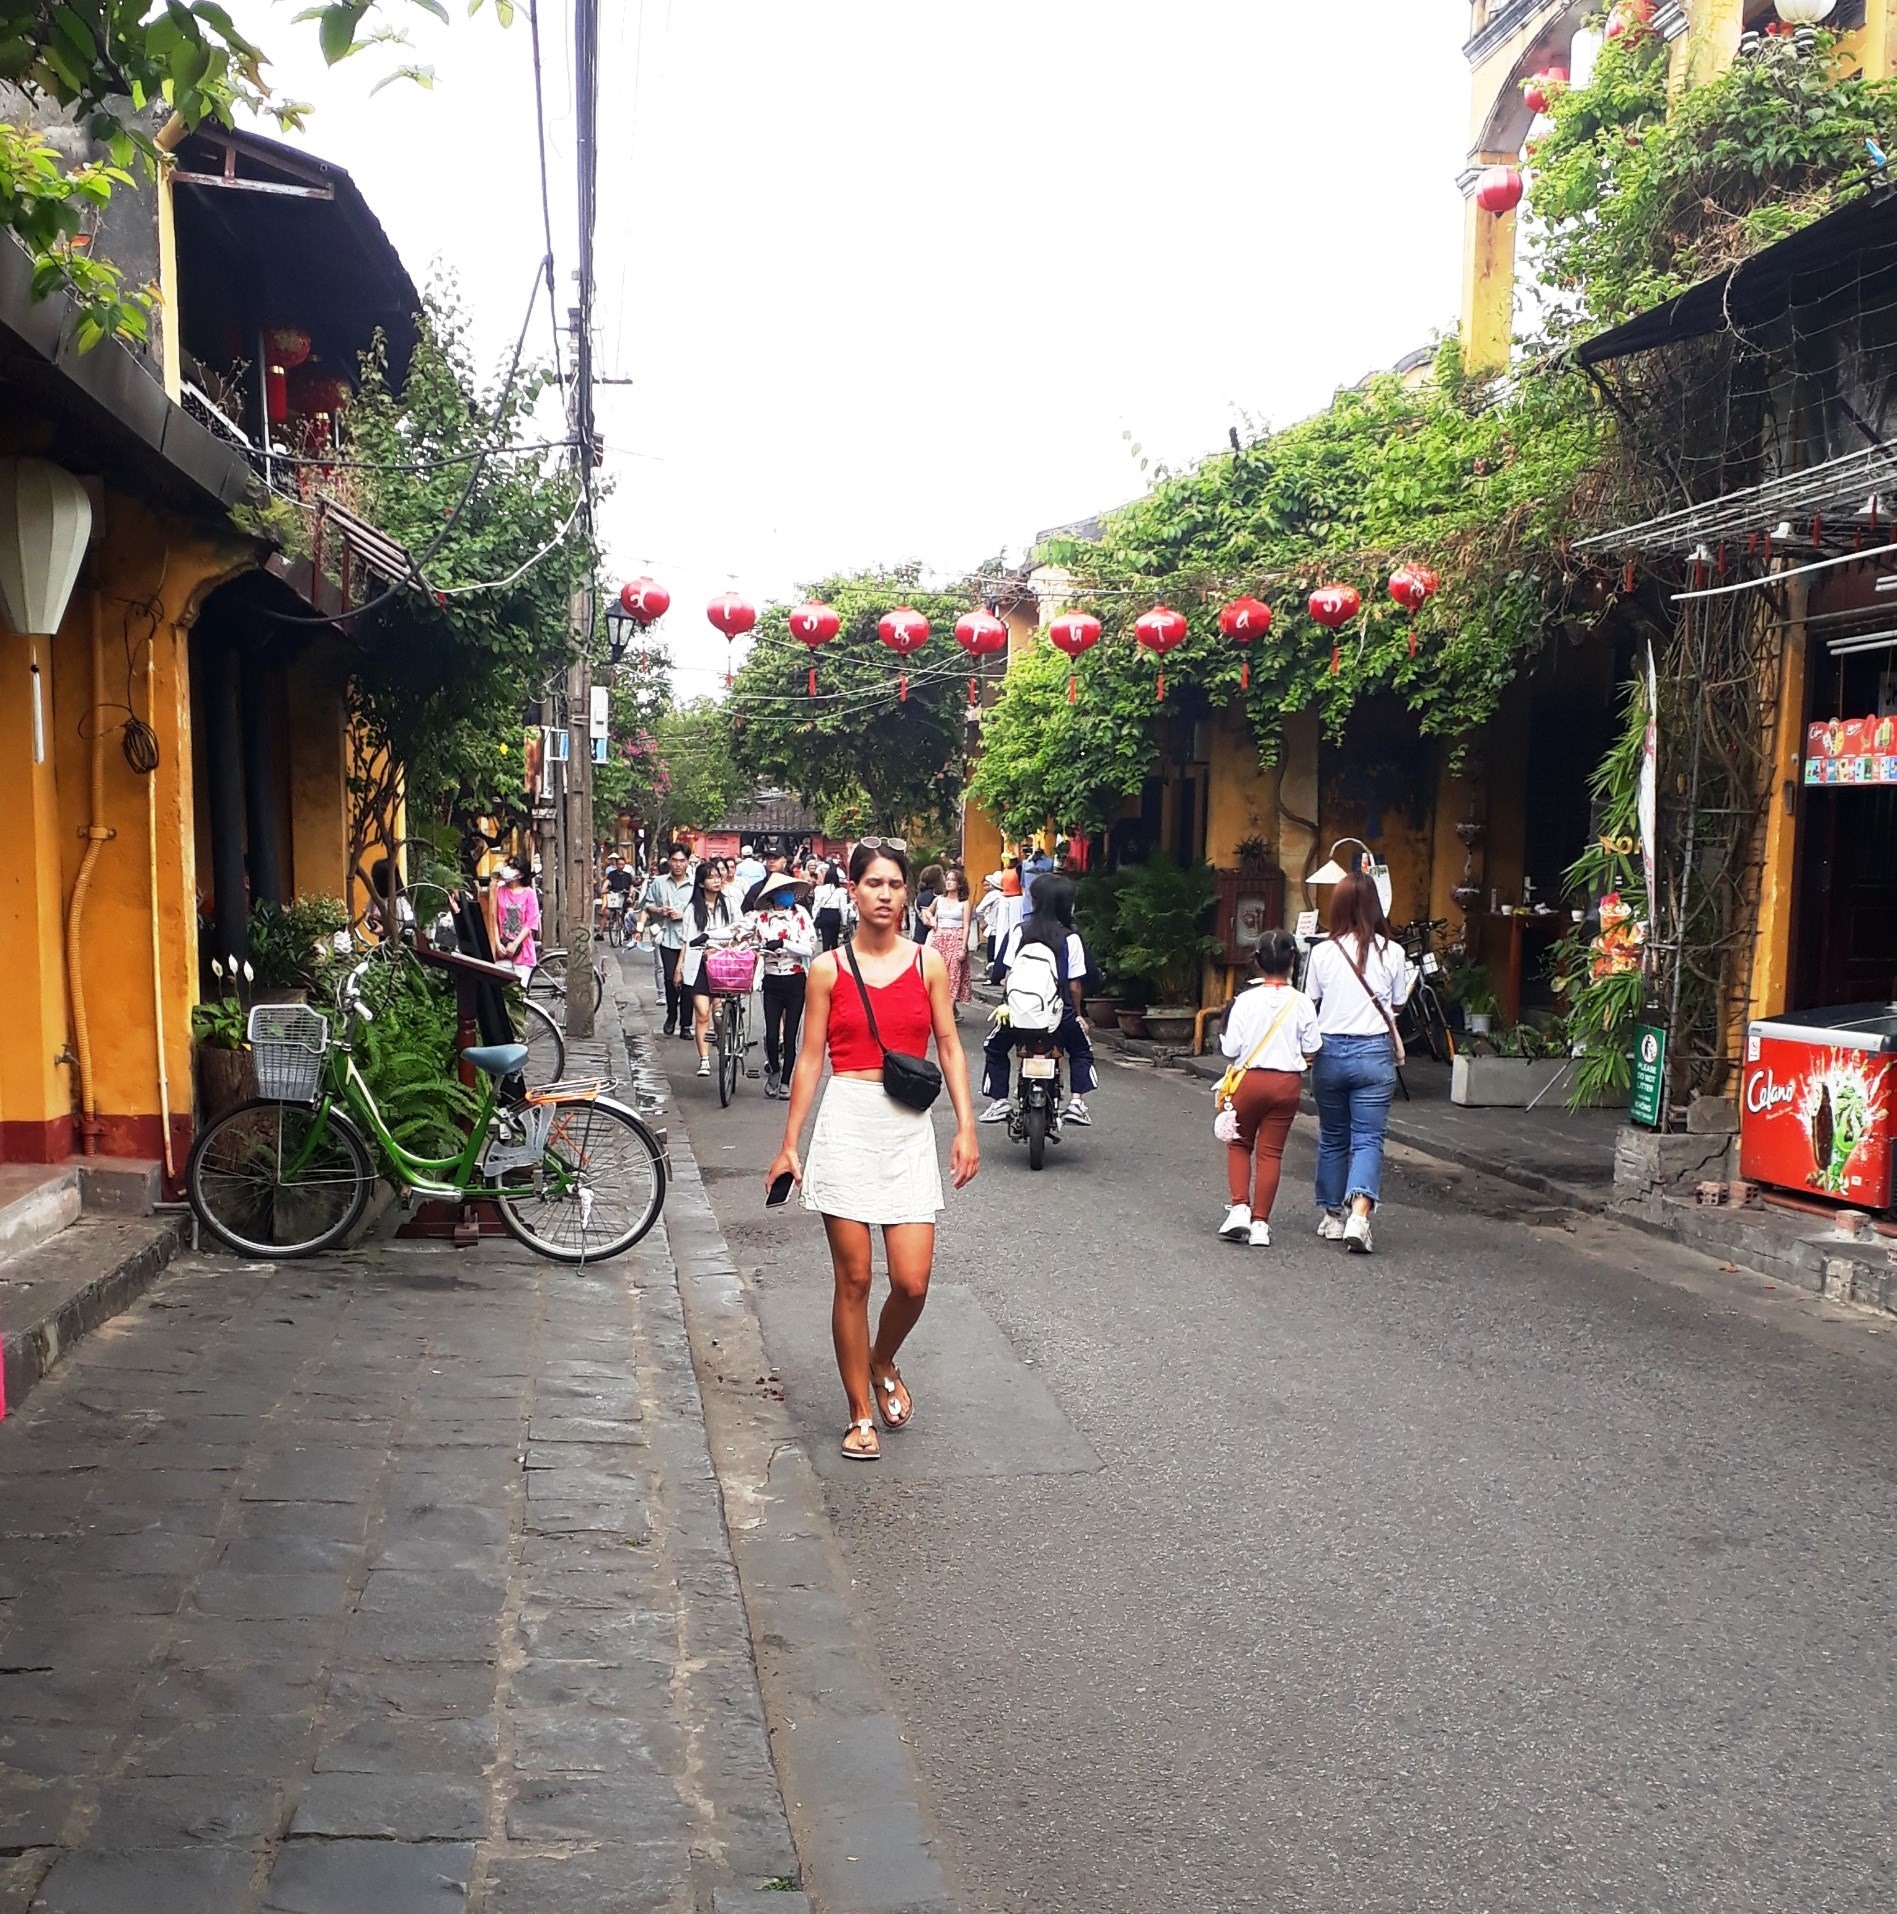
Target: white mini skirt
x=871 y=1159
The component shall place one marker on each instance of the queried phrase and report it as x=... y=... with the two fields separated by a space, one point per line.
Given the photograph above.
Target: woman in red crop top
x=872 y=1160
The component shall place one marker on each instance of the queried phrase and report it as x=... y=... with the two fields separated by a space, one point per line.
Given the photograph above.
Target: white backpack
x=1036 y=989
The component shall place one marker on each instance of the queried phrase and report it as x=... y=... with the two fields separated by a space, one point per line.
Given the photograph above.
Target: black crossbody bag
x=914 y=1082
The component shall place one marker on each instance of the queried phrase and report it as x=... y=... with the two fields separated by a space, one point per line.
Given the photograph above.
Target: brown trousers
x=1267 y=1100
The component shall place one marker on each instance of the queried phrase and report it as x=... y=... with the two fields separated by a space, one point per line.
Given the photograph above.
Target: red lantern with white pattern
x=1412 y=586
x=1161 y=630
x=734 y=616
x=1334 y=606
x=1630 y=17
x=903 y=630
x=1245 y=621
x=1500 y=189
x=982 y=635
x=1074 y=632
x=812 y=625
x=645 y=601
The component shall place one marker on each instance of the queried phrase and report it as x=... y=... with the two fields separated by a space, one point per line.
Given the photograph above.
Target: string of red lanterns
x=1160 y=631
x=1245 y=621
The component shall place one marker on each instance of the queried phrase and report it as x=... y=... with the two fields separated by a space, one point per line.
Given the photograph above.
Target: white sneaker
x=1357 y=1237
x=1261 y=1236
x=998 y=1111
x=1237 y=1224
x=1330 y=1228
x=704 y=1066
x=1077 y=1112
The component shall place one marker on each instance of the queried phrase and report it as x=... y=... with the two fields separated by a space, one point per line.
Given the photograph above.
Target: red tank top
x=902 y=1016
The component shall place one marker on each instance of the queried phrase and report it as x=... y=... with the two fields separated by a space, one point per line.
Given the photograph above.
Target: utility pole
x=577 y=813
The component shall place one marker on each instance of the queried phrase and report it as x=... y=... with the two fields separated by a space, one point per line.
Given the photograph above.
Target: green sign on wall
x=1648 y=1101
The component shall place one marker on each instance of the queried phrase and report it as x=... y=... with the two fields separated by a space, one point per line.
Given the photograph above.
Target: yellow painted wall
x=318 y=758
x=1299 y=829
x=144 y=577
x=1241 y=798
x=1874 y=45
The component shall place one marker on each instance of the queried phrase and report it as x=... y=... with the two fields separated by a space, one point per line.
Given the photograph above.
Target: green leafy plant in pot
x=221 y=1045
x=287 y=946
x=1096 y=917
x=1163 y=923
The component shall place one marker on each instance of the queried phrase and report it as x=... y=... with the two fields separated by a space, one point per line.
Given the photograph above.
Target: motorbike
x=1040 y=1073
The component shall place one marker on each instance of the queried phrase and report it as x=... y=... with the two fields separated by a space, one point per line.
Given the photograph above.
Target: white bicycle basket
x=287 y=1044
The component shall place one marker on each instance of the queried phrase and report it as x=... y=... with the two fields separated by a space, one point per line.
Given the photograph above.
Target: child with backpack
x=1044 y=965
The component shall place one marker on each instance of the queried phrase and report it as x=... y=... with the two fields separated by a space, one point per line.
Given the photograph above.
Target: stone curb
x=854 y=1802
x=136 y=1252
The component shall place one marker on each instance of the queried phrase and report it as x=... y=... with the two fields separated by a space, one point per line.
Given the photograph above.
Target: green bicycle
x=575 y=1175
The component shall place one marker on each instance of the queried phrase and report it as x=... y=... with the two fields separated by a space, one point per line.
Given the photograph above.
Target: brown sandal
x=860 y=1443
x=893 y=1401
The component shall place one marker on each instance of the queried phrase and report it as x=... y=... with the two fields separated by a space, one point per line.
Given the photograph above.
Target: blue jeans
x=1352 y=1080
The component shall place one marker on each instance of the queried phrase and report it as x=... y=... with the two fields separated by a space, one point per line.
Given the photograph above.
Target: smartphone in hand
x=779 y=1192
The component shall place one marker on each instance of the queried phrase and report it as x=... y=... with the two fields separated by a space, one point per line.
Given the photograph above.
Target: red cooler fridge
x=1818 y=1106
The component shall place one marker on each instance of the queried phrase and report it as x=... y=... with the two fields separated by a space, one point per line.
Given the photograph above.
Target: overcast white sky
x=892 y=279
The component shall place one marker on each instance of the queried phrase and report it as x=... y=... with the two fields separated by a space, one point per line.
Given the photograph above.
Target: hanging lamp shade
x=1500 y=189
x=645 y=601
x=45 y=523
x=1159 y=631
x=1244 y=621
x=982 y=635
x=903 y=630
x=813 y=624
x=1805 y=13
x=1074 y=632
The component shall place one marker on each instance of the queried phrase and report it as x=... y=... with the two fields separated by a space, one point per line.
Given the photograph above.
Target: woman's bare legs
x=910 y=1248
x=701 y=1026
x=849 y=1310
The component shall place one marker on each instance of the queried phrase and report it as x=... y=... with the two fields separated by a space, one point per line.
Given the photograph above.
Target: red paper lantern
x=1539 y=92
x=276 y=394
x=812 y=625
x=982 y=635
x=311 y=391
x=645 y=602
x=288 y=346
x=1160 y=630
x=734 y=616
x=1412 y=587
x=903 y=630
x=1074 y=632
x=1500 y=189
x=1245 y=621
x=1334 y=606
x=1629 y=17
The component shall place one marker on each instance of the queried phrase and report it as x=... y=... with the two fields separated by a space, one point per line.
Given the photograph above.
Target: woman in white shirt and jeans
x=1357 y=980
x=1271 y=1033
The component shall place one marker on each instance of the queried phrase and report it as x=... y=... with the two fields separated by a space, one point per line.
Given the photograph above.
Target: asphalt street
x=1528 y=1565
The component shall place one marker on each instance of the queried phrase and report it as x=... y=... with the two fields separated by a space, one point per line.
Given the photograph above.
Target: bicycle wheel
x=272 y=1179
x=1442 y=1041
x=730 y=1050
x=598 y=1191
x=546 y=1048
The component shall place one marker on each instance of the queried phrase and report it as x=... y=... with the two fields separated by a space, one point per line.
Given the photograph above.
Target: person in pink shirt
x=517 y=918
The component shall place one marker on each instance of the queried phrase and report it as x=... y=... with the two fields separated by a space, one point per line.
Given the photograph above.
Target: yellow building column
x=1709 y=45
x=1488 y=276
x=1772 y=946
x=1874 y=46
x=35 y=1089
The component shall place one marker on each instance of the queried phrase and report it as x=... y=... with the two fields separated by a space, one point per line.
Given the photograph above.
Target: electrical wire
x=546 y=201
x=414 y=465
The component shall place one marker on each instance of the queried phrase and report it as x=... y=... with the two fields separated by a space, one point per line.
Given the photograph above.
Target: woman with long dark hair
x=1357 y=978
x=711 y=921
x=872 y=1007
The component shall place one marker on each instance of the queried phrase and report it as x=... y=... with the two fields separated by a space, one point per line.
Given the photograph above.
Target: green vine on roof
x=1642 y=195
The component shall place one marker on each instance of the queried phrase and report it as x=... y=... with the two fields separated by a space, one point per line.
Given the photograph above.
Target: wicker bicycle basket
x=287 y=1043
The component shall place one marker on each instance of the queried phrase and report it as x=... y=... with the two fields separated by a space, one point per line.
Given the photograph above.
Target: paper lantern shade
x=1500 y=189
x=1245 y=621
x=45 y=524
x=1074 y=632
x=903 y=630
x=1334 y=606
x=288 y=346
x=645 y=601
x=312 y=391
x=1538 y=93
x=1805 y=13
x=813 y=624
x=1629 y=17
x=982 y=635
x=276 y=392
x=1160 y=631
x=732 y=615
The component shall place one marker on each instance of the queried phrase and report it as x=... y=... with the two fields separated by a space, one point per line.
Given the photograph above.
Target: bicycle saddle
x=497 y=1059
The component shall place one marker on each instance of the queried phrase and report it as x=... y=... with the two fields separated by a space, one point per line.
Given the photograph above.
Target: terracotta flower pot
x=1132 y=1022
x=1102 y=1010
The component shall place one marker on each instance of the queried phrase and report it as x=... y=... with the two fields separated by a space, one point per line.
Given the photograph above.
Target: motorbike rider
x=1051 y=925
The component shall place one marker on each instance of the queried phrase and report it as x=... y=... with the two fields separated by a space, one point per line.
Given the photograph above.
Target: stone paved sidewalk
x=387 y=1583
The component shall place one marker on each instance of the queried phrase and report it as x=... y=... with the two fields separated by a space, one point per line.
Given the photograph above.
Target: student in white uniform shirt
x=1358 y=980
x=1271 y=1033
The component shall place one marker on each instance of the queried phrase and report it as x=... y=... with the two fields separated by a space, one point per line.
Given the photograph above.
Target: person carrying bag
x=1258 y=1099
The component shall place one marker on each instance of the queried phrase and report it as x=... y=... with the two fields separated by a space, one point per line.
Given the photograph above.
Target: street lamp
x=620 y=625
